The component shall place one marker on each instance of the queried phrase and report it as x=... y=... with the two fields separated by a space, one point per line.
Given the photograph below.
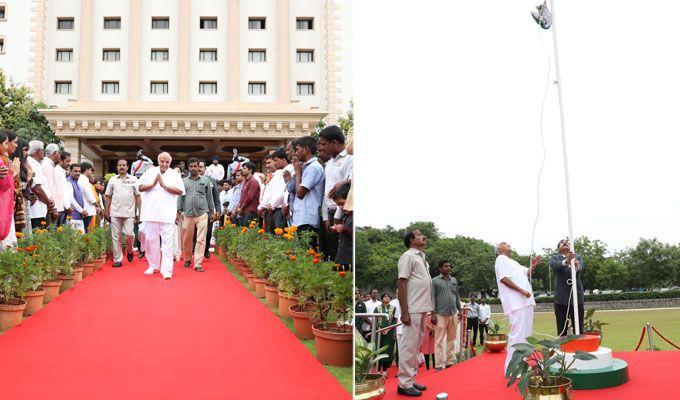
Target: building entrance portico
x=104 y=132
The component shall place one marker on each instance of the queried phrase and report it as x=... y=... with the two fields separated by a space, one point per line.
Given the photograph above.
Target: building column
x=85 y=66
x=134 y=50
x=72 y=145
x=233 y=51
x=183 y=58
x=37 y=46
x=283 y=51
x=332 y=62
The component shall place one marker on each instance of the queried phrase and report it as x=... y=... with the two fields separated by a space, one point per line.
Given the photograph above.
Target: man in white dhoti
x=517 y=298
x=159 y=188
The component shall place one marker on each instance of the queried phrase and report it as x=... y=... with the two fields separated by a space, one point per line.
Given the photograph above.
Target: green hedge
x=671 y=294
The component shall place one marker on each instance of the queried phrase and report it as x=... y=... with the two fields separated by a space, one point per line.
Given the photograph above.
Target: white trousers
x=158 y=238
x=521 y=323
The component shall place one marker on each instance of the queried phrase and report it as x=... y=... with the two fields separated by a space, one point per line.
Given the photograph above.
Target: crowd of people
x=169 y=209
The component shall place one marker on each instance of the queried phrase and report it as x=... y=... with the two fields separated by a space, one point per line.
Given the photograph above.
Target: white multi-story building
x=195 y=77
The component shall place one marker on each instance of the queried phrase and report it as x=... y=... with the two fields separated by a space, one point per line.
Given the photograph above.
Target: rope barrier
x=667 y=341
x=642 y=336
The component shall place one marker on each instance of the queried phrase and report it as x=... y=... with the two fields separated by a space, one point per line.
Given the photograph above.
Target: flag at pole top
x=542 y=15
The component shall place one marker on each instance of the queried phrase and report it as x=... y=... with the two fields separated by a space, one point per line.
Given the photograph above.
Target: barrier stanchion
x=649 y=336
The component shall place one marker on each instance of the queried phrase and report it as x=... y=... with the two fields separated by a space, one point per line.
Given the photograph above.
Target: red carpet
x=120 y=334
x=653 y=375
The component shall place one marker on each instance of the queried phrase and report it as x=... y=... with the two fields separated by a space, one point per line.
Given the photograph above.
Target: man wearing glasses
x=517 y=298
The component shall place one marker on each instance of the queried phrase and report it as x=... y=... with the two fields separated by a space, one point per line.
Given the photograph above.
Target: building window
x=3 y=13
x=257 y=55
x=160 y=23
x=304 y=24
x=305 y=88
x=2 y=45
x=207 y=55
x=305 y=56
x=160 y=54
x=62 y=87
x=64 y=55
x=207 y=87
x=65 y=24
x=159 y=87
x=256 y=23
x=257 y=88
x=112 y=23
x=208 y=22
x=111 y=55
x=110 y=87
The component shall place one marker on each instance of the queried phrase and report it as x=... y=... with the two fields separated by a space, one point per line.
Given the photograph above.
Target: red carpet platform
x=120 y=334
x=653 y=375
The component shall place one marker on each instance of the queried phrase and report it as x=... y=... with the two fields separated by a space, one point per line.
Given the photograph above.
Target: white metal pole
x=566 y=164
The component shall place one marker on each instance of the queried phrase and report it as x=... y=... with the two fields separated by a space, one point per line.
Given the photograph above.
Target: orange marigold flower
x=244 y=230
x=60 y=229
x=86 y=239
x=261 y=231
x=278 y=231
x=342 y=274
x=20 y=249
x=292 y=258
x=293 y=229
x=316 y=260
x=311 y=252
x=43 y=223
x=19 y=235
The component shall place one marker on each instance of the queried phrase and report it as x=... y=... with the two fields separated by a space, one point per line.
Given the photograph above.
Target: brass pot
x=495 y=343
x=562 y=391
x=373 y=388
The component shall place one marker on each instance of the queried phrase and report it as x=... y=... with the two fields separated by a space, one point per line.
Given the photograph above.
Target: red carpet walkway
x=653 y=375
x=120 y=334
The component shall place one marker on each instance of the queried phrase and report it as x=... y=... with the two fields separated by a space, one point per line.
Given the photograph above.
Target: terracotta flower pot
x=78 y=274
x=100 y=264
x=259 y=287
x=495 y=343
x=34 y=301
x=272 y=296
x=88 y=268
x=51 y=290
x=301 y=323
x=251 y=280
x=67 y=282
x=11 y=313
x=285 y=302
x=333 y=344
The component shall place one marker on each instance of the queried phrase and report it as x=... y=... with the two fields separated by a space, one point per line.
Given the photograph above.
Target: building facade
x=194 y=77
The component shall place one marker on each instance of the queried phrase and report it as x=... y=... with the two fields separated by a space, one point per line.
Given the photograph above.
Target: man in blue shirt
x=309 y=187
x=235 y=198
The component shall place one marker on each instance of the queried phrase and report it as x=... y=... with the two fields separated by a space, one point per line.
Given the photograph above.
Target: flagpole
x=566 y=165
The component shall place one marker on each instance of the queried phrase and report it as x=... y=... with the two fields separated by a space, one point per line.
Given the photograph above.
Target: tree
x=651 y=264
x=346 y=122
x=594 y=254
x=19 y=113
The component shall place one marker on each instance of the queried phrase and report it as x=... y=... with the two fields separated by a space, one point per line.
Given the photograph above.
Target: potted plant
x=12 y=271
x=494 y=341
x=533 y=367
x=333 y=340
x=593 y=328
x=367 y=386
x=30 y=278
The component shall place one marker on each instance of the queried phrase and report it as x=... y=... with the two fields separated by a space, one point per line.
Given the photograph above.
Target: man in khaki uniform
x=195 y=205
x=122 y=208
x=414 y=284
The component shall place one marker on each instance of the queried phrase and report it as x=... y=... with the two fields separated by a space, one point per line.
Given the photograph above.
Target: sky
x=448 y=107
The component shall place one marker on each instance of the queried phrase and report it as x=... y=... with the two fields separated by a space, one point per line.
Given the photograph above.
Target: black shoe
x=412 y=391
x=130 y=257
x=199 y=269
x=187 y=264
x=207 y=254
x=449 y=366
x=117 y=264
x=422 y=388
x=140 y=254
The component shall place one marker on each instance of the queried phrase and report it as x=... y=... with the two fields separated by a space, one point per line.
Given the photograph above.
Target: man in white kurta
x=517 y=298
x=159 y=188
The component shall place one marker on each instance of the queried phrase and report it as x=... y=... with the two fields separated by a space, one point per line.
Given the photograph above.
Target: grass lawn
x=343 y=375
x=624 y=329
